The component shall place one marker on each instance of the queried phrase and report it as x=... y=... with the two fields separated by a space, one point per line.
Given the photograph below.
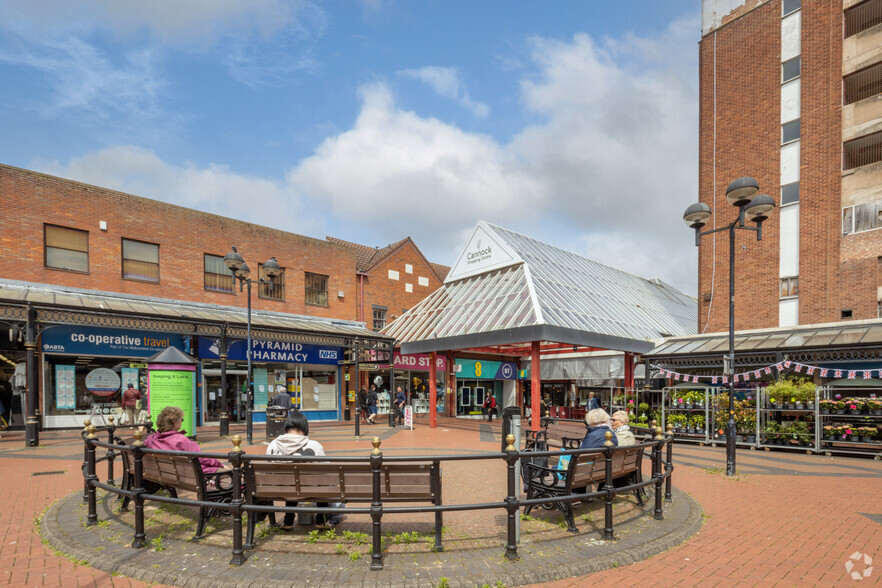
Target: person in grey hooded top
x=296 y=441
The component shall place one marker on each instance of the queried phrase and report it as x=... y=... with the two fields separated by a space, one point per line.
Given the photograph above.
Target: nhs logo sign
x=327 y=354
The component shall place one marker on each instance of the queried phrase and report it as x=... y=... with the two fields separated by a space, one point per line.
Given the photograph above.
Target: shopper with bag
x=490 y=406
x=131 y=398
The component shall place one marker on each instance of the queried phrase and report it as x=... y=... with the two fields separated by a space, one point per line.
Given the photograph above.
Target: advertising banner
x=271 y=351
x=479 y=369
x=173 y=386
x=113 y=342
x=65 y=387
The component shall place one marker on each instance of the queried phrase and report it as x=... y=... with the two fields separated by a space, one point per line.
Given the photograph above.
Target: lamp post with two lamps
x=271 y=269
x=741 y=193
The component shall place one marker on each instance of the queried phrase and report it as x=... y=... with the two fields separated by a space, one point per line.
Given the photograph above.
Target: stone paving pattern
x=788 y=519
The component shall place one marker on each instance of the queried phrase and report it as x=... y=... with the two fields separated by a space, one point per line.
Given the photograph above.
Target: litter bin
x=511 y=425
x=275 y=421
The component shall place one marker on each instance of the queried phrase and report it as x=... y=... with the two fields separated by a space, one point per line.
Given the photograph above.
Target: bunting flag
x=756 y=374
x=823 y=373
x=837 y=374
x=787 y=363
x=735 y=379
x=781 y=367
x=797 y=368
x=868 y=374
x=811 y=370
x=714 y=379
x=767 y=370
x=725 y=379
x=695 y=379
x=852 y=374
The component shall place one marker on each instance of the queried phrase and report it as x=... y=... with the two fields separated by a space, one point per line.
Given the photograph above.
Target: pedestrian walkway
x=787 y=519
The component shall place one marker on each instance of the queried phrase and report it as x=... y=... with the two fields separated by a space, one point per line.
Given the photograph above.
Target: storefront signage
x=485 y=251
x=480 y=369
x=102 y=382
x=272 y=351
x=173 y=387
x=65 y=387
x=115 y=342
x=419 y=361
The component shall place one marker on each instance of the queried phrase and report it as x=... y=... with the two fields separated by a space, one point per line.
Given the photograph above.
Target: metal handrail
x=660 y=446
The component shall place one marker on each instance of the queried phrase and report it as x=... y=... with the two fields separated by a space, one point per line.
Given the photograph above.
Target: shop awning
x=589 y=370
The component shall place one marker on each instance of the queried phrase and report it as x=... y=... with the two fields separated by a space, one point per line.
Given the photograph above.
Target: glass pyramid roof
x=504 y=281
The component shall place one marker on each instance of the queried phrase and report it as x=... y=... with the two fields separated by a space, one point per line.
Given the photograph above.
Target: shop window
x=863 y=16
x=316 y=289
x=790 y=69
x=790 y=287
x=217 y=276
x=862 y=84
x=273 y=288
x=790 y=193
x=789 y=6
x=862 y=217
x=66 y=249
x=380 y=317
x=790 y=131
x=862 y=151
x=140 y=261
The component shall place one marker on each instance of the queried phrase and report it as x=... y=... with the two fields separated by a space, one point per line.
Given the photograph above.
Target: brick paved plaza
x=788 y=519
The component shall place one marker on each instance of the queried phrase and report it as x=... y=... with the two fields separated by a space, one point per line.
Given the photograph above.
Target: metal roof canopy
x=509 y=289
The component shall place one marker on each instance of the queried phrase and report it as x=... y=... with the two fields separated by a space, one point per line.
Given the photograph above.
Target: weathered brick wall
x=31 y=199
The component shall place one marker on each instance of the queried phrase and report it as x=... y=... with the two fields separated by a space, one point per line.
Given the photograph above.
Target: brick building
x=94 y=264
x=791 y=94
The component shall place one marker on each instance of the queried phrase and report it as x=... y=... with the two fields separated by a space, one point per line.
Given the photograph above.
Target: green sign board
x=173 y=387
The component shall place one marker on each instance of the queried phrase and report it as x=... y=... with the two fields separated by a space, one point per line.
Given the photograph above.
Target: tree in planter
x=780 y=392
x=805 y=393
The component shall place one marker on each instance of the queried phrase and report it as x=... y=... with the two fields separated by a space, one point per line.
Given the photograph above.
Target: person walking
x=129 y=403
x=490 y=406
x=593 y=401
x=372 y=403
x=400 y=402
x=362 y=399
x=296 y=441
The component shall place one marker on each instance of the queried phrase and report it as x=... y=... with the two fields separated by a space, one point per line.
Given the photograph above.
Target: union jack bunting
x=735 y=379
x=695 y=379
x=662 y=372
x=852 y=374
x=787 y=363
x=768 y=370
x=756 y=374
x=798 y=367
x=725 y=379
x=837 y=374
x=714 y=379
x=779 y=366
x=811 y=370
x=824 y=372
x=868 y=374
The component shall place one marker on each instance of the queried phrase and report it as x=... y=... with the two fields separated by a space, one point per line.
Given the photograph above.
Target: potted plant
x=874 y=406
x=839 y=406
x=698 y=400
x=771 y=433
x=854 y=405
x=780 y=392
x=826 y=406
x=865 y=434
x=698 y=423
x=832 y=432
x=847 y=432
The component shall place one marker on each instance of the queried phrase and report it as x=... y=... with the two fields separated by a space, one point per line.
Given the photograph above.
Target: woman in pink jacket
x=170 y=437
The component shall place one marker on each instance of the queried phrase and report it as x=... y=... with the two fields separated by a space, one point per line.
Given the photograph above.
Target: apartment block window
x=275 y=289
x=862 y=17
x=862 y=217
x=789 y=193
x=862 y=151
x=316 y=289
x=218 y=277
x=791 y=69
x=140 y=261
x=862 y=84
x=66 y=249
x=790 y=131
x=879 y=309
x=380 y=317
x=790 y=6
x=790 y=287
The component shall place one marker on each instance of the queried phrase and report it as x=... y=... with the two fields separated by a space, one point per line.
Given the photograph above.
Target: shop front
x=309 y=373
x=476 y=378
x=412 y=374
x=86 y=368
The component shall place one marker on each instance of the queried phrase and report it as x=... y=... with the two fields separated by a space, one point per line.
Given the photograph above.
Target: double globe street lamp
x=240 y=269
x=743 y=194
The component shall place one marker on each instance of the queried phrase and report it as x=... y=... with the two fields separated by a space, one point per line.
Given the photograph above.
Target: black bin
x=275 y=421
x=508 y=414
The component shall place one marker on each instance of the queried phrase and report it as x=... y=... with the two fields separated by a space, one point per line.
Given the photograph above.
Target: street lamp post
x=241 y=271
x=741 y=193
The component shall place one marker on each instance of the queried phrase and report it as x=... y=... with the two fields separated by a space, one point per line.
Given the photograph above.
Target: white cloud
x=447 y=84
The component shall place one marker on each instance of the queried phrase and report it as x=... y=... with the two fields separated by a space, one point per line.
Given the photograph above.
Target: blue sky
x=574 y=122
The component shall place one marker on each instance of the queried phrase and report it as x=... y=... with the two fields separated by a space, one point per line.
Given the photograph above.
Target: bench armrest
x=570 y=443
x=219 y=480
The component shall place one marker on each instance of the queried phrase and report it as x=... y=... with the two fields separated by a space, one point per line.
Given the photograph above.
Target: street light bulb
x=243 y=272
x=741 y=191
x=760 y=209
x=697 y=215
x=233 y=260
x=271 y=268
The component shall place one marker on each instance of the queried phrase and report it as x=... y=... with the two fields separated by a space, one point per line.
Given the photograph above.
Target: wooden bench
x=305 y=481
x=582 y=470
x=179 y=473
x=554 y=433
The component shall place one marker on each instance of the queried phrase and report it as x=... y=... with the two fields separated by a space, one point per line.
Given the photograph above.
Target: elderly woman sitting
x=170 y=437
x=618 y=422
x=598 y=425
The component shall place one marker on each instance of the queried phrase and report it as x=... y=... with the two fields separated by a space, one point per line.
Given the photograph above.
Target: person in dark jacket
x=593 y=401
x=598 y=425
x=362 y=399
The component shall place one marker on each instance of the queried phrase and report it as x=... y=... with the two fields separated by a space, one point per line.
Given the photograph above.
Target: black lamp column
x=741 y=193
x=224 y=419
x=240 y=269
x=32 y=423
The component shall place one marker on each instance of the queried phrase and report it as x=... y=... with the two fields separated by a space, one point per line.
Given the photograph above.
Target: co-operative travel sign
x=96 y=341
x=272 y=351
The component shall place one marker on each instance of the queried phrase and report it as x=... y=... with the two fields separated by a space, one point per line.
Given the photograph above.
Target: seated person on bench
x=169 y=436
x=296 y=441
x=598 y=425
x=618 y=422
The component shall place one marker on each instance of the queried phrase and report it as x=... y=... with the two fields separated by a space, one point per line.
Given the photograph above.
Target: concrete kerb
x=187 y=563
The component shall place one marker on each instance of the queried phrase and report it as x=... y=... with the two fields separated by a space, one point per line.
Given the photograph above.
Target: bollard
x=669 y=451
x=608 y=486
x=376 y=506
x=86 y=424
x=511 y=501
x=658 y=514
x=235 y=458
x=140 y=538
x=110 y=452
x=91 y=478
